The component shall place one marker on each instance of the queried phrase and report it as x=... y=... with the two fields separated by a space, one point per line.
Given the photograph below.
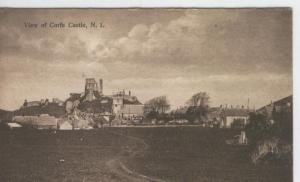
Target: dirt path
x=116 y=165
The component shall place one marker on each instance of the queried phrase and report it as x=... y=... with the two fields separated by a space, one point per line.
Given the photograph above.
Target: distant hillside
x=52 y=109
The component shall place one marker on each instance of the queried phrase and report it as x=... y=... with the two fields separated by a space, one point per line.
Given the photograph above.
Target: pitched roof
x=235 y=112
x=214 y=109
x=131 y=102
x=284 y=101
x=14 y=125
x=214 y=112
x=280 y=102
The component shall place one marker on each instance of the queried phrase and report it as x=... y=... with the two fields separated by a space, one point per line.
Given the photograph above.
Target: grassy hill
x=52 y=109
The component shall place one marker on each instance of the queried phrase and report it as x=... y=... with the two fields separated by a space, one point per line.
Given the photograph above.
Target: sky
x=232 y=54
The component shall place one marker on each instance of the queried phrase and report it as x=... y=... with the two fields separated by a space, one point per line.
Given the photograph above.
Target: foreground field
x=199 y=154
x=130 y=154
x=62 y=156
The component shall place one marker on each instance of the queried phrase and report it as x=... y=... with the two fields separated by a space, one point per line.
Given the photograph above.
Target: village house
x=64 y=125
x=234 y=117
x=126 y=106
x=224 y=117
x=13 y=125
x=284 y=104
x=44 y=121
x=25 y=120
x=132 y=109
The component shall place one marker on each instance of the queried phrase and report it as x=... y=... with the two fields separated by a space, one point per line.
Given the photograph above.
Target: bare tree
x=198 y=107
x=159 y=104
x=199 y=99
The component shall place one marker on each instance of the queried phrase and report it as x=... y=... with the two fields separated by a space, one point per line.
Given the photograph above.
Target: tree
x=152 y=115
x=198 y=107
x=197 y=114
x=199 y=99
x=158 y=104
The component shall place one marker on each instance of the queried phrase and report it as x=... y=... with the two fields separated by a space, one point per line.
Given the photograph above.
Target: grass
x=35 y=155
x=199 y=154
x=173 y=154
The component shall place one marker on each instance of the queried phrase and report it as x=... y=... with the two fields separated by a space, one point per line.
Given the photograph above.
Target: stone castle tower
x=92 y=89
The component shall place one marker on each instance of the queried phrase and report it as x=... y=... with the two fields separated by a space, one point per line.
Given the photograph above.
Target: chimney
x=248 y=101
x=101 y=86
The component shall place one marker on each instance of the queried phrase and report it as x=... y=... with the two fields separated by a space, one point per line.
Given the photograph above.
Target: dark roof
x=284 y=101
x=214 y=112
x=134 y=102
x=280 y=102
x=214 y=109
x=235 y=112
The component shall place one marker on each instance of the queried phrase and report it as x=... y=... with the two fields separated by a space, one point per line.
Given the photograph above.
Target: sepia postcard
x=146 y=94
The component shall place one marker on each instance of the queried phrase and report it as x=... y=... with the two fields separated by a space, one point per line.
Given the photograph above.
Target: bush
x=262 y=129
x=196 y=113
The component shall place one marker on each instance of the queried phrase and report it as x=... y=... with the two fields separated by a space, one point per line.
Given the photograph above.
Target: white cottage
x=65 y=125
x=234 y=117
